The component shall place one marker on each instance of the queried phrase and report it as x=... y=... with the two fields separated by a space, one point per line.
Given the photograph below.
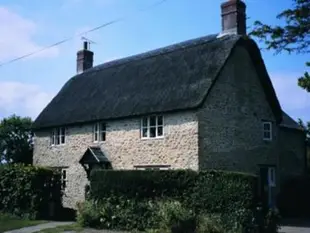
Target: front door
x=267 y=185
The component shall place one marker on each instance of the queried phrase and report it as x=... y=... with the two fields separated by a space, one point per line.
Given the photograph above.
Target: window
x=99 y=132
x=267 y=131
x=272 y=176
x=58 y=136
x=152 y=127
x=63 y=179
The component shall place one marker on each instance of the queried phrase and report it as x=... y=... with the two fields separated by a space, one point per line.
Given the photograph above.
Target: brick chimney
x=233 y=17
x=84 y=59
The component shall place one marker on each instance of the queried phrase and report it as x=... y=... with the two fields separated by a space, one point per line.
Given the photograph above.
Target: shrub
x=272 y=221
x=210 y=224
x=116 y=213
x=26 y=191
x=230 y=195
x=173 y=217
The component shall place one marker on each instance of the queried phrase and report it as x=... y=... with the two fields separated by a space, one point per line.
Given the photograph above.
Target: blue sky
x=28 y=85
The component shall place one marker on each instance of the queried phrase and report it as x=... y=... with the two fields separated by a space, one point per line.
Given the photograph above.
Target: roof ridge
x=158 y=52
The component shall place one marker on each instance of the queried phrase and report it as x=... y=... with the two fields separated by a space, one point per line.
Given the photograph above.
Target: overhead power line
x=80 y=34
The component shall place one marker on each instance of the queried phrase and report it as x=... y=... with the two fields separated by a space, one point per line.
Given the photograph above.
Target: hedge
x=26 y=191
x=212 y=192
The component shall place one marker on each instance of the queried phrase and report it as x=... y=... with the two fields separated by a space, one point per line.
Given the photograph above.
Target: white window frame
x=148 y=127
x=152 y=167
x=269 y=131
x=57 y=135
x=98 y=131
x=272 y=176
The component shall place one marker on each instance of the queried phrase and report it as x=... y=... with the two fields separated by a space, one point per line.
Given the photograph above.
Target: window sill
x=98 y=142
x=267 y=140
x=59 y=145
x=156 y=138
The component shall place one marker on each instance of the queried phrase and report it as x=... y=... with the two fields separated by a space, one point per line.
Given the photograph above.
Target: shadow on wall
x=294 y=199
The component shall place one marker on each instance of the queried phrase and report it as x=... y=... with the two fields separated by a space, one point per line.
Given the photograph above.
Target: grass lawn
x=8 y=222
x=61 y=229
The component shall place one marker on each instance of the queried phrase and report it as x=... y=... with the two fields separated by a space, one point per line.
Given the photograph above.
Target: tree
x=305 y=127
x=293 y=37
x=16 y=140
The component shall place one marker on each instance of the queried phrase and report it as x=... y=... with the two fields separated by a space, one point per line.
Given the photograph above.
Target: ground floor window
x=63 y=178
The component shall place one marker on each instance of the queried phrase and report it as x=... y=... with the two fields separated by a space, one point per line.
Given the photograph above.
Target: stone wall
x=292 y=152
x=124 y=148
x=230 y=122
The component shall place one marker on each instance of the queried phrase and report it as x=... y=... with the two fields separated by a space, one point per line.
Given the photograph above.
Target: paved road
x=39 y=227
x=43 y=226
x=294 y=230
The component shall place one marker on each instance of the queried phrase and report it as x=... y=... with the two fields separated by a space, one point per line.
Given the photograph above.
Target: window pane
x=153 y=121
x=267 y=135
x=103 y=127
x=57 y=140
x=64 y=174
x=96 y=127
x=95 y=136
x=266 y=126
x=102 y=136
x=144 y=122
x=62 y=139
x=144 y=132
x=58 y=131
x=160 y=131
x=152 y=132
x=160 y=120
x=53 y=138
x=63 y=131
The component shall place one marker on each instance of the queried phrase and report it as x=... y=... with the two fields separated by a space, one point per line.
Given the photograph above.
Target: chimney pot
x=85 y=45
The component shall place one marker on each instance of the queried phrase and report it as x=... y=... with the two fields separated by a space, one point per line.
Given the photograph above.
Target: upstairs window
x=99 y=132
x=152 y=127
x=58 y=136
x=267 y=131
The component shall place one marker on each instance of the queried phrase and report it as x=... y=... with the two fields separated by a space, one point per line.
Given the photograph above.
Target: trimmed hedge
x=26 y=191
x=233 y=195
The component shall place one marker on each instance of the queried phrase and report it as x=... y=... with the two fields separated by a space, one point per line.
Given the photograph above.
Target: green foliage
x=272 y=221
x=293 y=37
x=9 y=222
x=117 y=213
x=173 y=217
x=137 y=194
x=305 y=127
x=16 y=140
x=26 y=190
x=216 y=191
x=210 y=224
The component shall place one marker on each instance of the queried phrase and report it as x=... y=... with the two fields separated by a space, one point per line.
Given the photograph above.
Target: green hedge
x=212 y=192
x=26 y=191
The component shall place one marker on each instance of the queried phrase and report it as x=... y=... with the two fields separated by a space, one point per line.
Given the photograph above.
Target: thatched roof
x=289 y=122
x=172 y=78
